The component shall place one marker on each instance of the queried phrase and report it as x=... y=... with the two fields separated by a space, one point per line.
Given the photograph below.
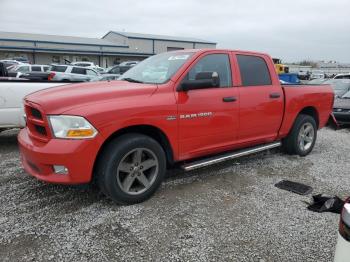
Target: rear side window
x=219 y=63
x=78 y=70
x=36 y=68
x=46 y=68
x=254 y=71
x=59 y=68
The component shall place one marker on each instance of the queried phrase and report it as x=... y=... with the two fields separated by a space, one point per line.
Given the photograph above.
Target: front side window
x=157 y=69
x=254 y=71
x=219 y=63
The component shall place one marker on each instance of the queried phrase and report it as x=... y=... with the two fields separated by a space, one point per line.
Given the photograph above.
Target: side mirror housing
x=202 y=80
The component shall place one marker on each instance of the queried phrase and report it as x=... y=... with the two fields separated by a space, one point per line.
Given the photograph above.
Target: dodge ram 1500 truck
x=191 y=107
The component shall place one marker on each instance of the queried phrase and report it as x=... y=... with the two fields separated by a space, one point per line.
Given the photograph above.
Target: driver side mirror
x=202 y=80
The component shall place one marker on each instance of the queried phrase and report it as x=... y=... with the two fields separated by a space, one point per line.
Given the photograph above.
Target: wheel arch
x=148 y=130
x=310 y=111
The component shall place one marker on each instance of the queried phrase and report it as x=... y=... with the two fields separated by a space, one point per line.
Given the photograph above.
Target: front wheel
x=302 y=137
x=131 y=168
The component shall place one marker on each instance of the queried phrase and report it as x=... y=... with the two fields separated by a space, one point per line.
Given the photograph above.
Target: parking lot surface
x=228 y=212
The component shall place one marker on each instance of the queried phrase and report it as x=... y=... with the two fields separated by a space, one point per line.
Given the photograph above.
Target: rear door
x=261 y=99
x=208 y=118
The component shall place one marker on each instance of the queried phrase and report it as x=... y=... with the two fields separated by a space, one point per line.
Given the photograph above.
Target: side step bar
x=220 y=158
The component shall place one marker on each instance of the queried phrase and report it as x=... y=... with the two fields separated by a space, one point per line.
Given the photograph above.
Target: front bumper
x=342 y=250
x=78 y=156
x=342 y=117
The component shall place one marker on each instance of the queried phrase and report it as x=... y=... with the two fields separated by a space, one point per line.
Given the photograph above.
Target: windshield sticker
x=178 y=57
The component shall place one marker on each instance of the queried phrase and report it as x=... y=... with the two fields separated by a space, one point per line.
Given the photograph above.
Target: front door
x=208 y=118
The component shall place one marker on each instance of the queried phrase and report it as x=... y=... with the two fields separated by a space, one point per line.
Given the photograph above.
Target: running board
x=232 y=155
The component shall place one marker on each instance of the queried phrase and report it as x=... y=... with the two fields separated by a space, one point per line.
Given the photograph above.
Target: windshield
x=157 y=69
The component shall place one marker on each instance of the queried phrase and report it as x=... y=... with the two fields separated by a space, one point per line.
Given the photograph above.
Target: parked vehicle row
x=76 y=71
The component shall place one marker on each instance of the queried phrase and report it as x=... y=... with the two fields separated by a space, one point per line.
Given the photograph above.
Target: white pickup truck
x=11 y=96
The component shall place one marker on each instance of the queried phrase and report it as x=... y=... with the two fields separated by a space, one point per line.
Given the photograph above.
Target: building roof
x=44 y=38
x=161 y=37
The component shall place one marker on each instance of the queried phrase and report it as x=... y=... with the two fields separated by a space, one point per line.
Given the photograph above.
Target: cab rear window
x=254 y=71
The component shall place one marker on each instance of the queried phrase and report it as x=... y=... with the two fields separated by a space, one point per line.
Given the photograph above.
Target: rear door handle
x=229 y=99
x=275 y=95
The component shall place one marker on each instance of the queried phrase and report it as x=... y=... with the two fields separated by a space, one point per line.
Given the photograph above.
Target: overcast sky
x=292 y=30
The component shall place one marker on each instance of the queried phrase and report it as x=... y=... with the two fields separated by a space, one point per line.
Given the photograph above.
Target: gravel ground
x=228 y=212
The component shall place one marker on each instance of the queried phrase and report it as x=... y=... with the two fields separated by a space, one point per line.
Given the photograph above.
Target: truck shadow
x=8 y=139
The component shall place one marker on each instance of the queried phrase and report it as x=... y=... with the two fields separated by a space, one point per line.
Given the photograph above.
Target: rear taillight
x=344 y=225
x=51 y=76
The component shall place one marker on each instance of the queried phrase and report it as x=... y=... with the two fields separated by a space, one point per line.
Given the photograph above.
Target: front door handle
x=275 y=95
x=229 y=99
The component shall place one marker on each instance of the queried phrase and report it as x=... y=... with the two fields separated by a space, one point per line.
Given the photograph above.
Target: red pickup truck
x=189 y=107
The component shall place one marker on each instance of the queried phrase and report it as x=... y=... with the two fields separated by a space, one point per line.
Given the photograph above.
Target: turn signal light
x=80 y=133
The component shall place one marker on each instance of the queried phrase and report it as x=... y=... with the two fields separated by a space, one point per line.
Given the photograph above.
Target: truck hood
x=63 y=98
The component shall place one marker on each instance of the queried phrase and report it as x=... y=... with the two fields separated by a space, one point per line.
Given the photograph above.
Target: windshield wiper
x=131 y=80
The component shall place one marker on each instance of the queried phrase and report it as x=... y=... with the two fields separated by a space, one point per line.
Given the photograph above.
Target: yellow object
x=74 y=133
x=280 y=68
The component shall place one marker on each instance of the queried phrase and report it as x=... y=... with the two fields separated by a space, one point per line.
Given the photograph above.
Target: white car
x=342 y=252
x=72 y=73
x=20 y=69
x=342 y=76
x=11 y=100
x=317 y=74
x=10 y=63
x=84 y=64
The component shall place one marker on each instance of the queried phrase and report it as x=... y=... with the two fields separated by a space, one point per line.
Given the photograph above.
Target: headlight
x=72 y=127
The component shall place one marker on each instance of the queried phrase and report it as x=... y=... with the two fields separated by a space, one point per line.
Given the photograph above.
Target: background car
x=10 y=63
x=129 y=63
x=71 y=73
x=317 y=74
x=35 y=76
x=342 y=76
x=20 y=69
x=83 y=64
x=316 y=81
x=118 y=69
x=105 y=77
x=341 y=109
x=340 y=86
x=342 y=251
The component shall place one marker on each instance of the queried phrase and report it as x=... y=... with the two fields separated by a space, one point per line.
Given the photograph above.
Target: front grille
x=40 y=129
x=36 y=113
x=36 y=123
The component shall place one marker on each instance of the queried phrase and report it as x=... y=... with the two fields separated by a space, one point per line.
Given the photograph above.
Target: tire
x=131 y=168
x=301 y=139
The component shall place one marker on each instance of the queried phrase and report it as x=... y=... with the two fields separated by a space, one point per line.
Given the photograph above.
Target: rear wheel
x=131 y=168
x=302 y=137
